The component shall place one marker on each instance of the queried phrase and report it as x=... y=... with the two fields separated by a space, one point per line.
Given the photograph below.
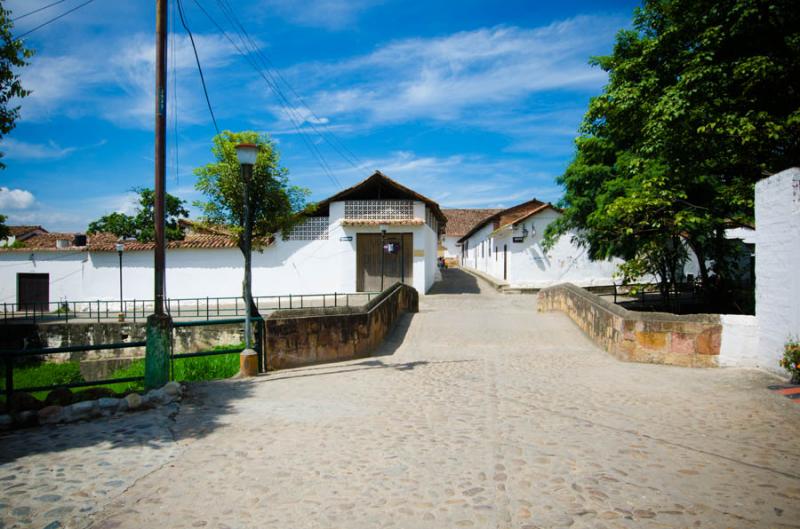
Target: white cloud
x=22 y=150
x=16 y=199
x=446 y=78
x=453 y=181
x=329 y=14
x=119 y=86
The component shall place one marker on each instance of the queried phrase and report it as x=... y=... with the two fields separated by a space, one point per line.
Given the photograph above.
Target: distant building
x=459 y=222
x=507 y=246
x=365 y=237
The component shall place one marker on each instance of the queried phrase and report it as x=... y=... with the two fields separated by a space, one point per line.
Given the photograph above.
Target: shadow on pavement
x=154 y=428
x=455 y=281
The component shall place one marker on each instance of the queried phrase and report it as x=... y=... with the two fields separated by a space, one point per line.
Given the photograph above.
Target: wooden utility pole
x=161 y=152
x=159 y=324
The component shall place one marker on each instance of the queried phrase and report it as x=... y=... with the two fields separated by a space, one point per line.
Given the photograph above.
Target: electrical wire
x=330 y=138
x=37 y=10
x=197 y=60
x=62 y=15
x=285 y=103
x=174 y=97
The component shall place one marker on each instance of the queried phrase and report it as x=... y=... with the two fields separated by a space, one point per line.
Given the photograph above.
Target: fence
x=207 y=307
x=10 y=357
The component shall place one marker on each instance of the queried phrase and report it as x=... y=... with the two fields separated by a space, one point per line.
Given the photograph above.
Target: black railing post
x=335 y=300
x=207 y=314
x=9 y=362
x=290 y=301
x=98 y=311
x=134 y=310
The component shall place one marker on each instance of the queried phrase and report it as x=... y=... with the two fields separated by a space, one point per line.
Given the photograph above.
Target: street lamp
x=247 y=153
x=120 y=249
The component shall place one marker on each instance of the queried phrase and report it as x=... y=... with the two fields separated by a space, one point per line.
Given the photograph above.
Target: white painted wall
x=286 y=267
x=739 y=346
x=777 y=264
x=529 y=265
x=451 y=248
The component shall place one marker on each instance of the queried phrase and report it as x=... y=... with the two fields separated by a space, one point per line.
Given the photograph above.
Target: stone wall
x=651 y=337
x=296 y=338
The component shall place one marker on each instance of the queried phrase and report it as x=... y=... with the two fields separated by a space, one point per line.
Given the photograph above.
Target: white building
x=372 y=234
x=508 y=246
x=459 y=222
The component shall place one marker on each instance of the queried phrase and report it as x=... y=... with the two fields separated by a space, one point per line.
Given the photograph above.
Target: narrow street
x=477 y=412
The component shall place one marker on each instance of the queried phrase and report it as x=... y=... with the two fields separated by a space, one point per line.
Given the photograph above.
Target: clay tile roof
x=511 y=215
x=47 y=241
x=19 y=231
x=460 y=221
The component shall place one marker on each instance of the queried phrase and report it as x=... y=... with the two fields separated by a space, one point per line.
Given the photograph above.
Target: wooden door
x=505 y=262
x=383 y=260
x=33 y=291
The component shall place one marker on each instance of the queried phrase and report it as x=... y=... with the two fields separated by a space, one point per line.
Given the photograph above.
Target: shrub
x=791 y=359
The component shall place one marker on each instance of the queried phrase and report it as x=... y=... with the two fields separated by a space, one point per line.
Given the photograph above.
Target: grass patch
x=183 y=370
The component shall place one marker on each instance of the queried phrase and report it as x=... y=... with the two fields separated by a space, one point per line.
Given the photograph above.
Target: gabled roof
x=511 y=216
x=460 y=221
x=380 y=187
x=23 y=232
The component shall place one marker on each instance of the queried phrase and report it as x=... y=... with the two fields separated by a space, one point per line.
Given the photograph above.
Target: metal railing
x=207 y=307
x=10 y=357
x=258 y=343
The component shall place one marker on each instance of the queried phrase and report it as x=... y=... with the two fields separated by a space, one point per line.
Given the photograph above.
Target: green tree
x=274 y=205
x=3 y=227
x=703 y=100
x=13 y=55
x=140 y=226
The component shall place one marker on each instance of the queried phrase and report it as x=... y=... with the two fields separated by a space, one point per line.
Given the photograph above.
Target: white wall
x=529 y=265
x=777 y=264
x=739 y=346
x=451 y=248
x=286 y=267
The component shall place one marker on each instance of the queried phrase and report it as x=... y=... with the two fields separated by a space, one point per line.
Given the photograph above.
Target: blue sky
x=472 y=103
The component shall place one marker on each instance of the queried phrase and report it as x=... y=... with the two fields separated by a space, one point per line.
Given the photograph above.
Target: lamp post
x=120 y=249
x=383 y=228
x=247 y=153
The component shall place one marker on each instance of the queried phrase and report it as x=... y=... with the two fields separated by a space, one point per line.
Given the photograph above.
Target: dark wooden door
x=505 y=262
x=33 y=291
x=392 y=256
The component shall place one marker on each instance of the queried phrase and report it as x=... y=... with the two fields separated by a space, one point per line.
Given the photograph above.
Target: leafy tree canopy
x=274 y=204
x=140 y=225
x=703 y=100
x=13 y=55
x=3 y=227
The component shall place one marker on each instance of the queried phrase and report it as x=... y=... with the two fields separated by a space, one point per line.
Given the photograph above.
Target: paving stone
x=478 y=413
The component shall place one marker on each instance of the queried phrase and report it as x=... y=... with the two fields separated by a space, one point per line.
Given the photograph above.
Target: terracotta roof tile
x=460 y=221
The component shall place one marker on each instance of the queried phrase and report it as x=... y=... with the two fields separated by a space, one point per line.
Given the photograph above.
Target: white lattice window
x=431 y=220
x=379 y=209
x=311 y=229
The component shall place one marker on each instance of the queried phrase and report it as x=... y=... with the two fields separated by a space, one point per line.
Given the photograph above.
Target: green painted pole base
x=156 y=361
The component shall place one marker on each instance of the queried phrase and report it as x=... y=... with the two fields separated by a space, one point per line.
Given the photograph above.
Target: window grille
x=379 y=209
x=311 y=229
x=431 y=220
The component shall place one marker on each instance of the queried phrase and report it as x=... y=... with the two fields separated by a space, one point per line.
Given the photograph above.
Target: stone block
x=82 y=410
x=134 y=401
x=708 y=341
x=651 y=340
x=682 y=343
x=172 y=388
x=108 y=405
x=50 y=414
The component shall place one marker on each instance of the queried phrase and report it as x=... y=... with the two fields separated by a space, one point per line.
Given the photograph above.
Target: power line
x=311 y=147
x=37 y=10
x=197 y=60
x=62 y=15
x=326 y=135
x=294 y=117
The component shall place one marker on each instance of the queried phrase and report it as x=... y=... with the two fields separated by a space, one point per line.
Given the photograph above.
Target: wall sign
x=346 y=239
x=518 y=239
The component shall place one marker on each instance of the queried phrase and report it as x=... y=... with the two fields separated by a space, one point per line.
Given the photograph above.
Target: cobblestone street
x=478 y=412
